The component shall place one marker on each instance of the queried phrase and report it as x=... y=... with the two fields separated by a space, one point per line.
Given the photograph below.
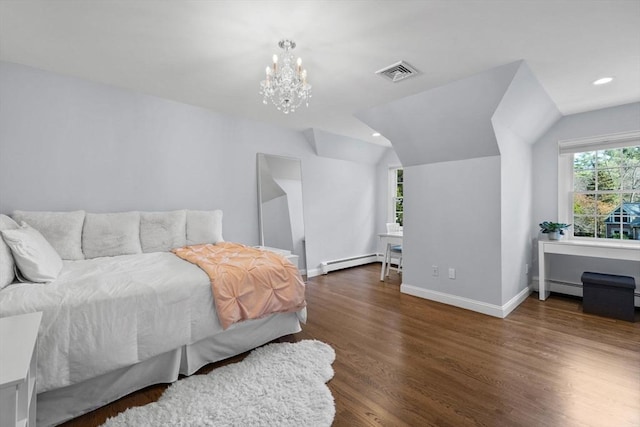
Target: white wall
x=515 y=208
x=496 y=114
x=545 y=185
x=452 y=219
x=66 y=143
x=342 y=205
x=525 y=113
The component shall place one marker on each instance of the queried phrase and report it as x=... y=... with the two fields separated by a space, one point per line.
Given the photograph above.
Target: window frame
x=566 y=150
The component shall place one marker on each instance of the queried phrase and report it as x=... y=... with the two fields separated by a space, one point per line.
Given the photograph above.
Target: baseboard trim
x=514 y=302
x=467 y=303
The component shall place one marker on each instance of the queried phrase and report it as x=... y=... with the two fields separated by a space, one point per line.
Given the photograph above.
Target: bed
x=115 y=324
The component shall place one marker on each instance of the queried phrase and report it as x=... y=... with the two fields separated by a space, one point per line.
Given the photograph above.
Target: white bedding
x=106 y=313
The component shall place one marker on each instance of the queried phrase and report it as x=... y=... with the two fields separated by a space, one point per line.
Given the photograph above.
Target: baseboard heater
x=577 y=285
x=338 y=264
x=575 y=289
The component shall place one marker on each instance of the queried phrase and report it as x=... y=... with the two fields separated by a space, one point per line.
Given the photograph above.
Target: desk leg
x=543 y=289
x=384 y=262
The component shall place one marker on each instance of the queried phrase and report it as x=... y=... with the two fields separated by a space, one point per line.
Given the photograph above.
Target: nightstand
x=18 y=362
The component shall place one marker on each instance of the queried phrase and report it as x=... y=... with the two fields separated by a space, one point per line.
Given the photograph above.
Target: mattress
x=108 y=313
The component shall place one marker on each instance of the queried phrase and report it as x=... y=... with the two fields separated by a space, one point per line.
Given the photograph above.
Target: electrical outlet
x=452 y=273
x=526 y=268
x=434 y=271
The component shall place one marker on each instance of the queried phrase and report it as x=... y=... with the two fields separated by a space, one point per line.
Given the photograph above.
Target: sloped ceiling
x=450 y=122
x=526 y=109
x=213 y=54
x=327 y=144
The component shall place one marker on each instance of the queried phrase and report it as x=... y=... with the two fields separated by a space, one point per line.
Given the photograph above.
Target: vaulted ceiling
x=213 y=53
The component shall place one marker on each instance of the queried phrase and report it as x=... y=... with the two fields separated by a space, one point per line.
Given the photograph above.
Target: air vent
x=398 y=71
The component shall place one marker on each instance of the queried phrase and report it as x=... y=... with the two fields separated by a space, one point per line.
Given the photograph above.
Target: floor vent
x=398 y=71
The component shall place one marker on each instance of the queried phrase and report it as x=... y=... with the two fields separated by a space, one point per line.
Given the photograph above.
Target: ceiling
x=213 y=53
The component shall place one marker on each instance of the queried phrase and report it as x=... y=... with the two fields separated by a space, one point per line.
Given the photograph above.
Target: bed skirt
x=57 y=406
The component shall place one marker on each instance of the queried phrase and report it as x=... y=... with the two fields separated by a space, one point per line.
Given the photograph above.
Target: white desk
x=388 y=239
x=611 y=250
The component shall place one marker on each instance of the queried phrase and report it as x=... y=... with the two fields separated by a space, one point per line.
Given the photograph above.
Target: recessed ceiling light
x=603 y=81
x=375 y=134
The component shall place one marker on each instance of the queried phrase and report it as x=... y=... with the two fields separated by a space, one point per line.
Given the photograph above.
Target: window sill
x=599 y=243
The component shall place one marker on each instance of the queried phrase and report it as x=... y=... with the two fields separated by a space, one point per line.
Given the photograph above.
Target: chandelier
x=286 y=83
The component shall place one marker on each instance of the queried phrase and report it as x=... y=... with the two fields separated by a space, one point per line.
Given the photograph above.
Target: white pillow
x=6 y=259
x=204 y=227
x=111 y=234
x=62 y=229
x=163 y=231
x=35 y=257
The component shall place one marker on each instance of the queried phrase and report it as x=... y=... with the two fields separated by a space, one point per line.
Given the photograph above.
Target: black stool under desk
x=608 y=295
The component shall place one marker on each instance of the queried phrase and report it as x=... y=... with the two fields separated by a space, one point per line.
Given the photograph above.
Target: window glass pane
x=630 y=177
x=584 y=204
x=609 y=158
x=614 y=217
x=586 y=160
x=399 y=205
x=629 y=209
x=631 y=197
x=618 y=231
x=584 y=180
x=631 y=215
x=604 y=232
x=631 y=156
x=608 y=179
x=607 y=203
x=584 y=226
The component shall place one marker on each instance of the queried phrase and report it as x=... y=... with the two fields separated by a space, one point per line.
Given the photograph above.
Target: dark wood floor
x=405 y=361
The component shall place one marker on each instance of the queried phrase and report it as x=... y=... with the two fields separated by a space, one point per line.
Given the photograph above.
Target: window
x=603 y=186
x=396 y=195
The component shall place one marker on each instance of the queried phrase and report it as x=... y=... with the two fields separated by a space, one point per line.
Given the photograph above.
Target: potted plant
x=553 y=229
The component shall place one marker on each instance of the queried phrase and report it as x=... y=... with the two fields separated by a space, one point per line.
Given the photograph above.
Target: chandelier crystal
x=286 y=84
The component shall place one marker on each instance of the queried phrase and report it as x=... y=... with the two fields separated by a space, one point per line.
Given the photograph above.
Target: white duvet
x=105 y=313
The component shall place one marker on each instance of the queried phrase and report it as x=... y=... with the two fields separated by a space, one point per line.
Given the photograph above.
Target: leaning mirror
x=280 y=205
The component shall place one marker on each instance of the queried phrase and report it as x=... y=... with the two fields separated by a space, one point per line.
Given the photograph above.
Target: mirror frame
x=302 y=259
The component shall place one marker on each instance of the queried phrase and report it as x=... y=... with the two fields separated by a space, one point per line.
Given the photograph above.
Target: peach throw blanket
x=247 y=283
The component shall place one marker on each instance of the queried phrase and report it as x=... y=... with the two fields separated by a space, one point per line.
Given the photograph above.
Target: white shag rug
x=279 y=384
